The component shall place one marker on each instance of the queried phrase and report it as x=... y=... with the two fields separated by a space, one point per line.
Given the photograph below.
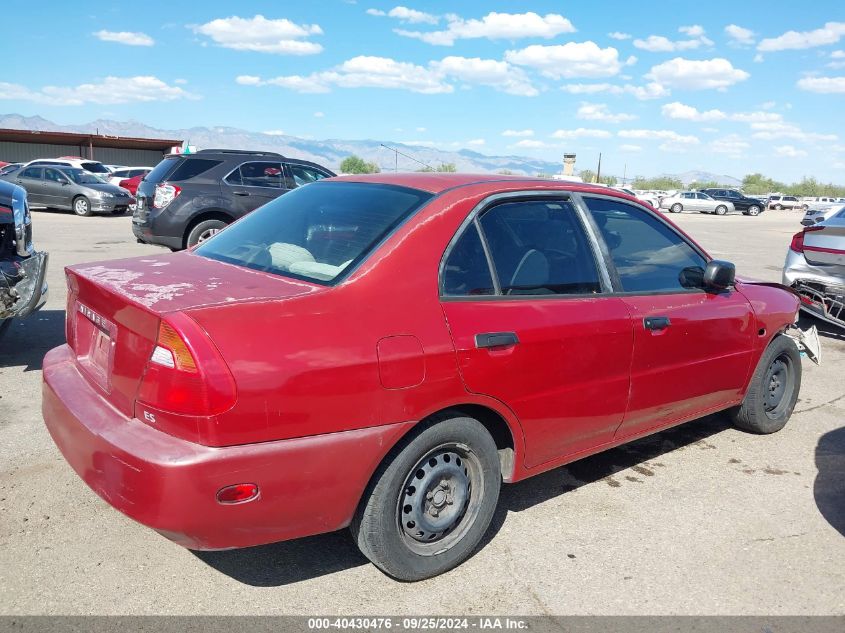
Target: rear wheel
x=721 y=210
x=428 y=507
x=204 y=230
x=82 y=206
x=773 y=390
x=676 y=208
x=753 y=210
x=778 y=207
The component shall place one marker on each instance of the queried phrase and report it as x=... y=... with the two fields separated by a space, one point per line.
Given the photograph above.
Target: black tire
x=203 y=231
x=721 y=210
x=773 y=390
x=82 y=207
x=676 y=208
x=754 y=210
x=399 y=527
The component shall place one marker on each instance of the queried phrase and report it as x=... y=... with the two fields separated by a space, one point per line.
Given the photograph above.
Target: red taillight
x=797 y=243
x=237 y=493
x=185 y=374
x=165 y=194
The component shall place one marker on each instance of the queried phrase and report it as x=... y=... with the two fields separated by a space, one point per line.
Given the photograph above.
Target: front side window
x=649 y=256
x=303 y=175
x=538 y=247
x=54 y=175
x=315 y=233
x=258 y=174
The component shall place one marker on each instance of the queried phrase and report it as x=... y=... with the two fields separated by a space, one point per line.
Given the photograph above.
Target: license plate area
x=95 y=339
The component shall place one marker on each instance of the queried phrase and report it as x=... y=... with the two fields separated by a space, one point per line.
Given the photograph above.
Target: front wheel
x=428 y=506
x=676 y=208
x=778 y=207
x=82 y=206
x=721 y=210
x=753 y=210
x=773 y=390
x=203 y=231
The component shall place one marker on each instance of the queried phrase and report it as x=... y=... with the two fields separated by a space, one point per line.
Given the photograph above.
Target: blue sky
x=728 y=87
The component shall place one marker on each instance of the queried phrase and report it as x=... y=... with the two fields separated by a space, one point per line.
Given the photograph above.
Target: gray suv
x=70 y=188
x=187 y=198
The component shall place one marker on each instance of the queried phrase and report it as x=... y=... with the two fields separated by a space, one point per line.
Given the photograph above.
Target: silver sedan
x=815 y=268
x=696 y=201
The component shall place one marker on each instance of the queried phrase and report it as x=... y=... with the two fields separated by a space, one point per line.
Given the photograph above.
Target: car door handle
x=656 y=323
x=241 y=193
x=496 y=339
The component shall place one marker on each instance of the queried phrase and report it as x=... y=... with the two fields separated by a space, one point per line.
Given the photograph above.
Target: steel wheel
x=439 y=501
x=676 y=208
x=721 y=210
x=778 y=385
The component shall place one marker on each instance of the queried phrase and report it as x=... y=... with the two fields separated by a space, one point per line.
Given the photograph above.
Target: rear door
x=692 y=349
x=253 y=184
x=56 y=188
x=522 y=293
x=32 y=179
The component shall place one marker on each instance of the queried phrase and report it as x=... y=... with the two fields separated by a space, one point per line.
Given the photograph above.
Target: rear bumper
x=307 y=485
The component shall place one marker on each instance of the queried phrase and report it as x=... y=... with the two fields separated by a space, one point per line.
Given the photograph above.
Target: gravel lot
x=702 y=519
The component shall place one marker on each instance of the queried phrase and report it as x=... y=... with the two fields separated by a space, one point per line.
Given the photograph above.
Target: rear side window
x=466 y=272
x=191 y=168
x=648 y=255
x=538 y=247
x=32 y=172
x=258 y=174
x=315 y=233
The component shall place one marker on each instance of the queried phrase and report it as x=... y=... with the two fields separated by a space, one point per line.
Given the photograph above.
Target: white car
x=92 y=166
x=696 y=201
x=779 y=202
x=652 y=200
x=127 y=172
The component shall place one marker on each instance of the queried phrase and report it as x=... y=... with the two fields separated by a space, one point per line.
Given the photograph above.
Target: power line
x=398 y=154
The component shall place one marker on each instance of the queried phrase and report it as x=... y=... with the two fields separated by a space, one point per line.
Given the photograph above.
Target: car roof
x=435 y=182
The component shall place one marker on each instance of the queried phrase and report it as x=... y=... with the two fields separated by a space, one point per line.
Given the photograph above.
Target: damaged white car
x=23 y=288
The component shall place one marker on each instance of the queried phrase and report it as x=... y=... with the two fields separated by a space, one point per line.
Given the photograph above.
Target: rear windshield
x=95 y=168
x=160 y=171
x=315 y=232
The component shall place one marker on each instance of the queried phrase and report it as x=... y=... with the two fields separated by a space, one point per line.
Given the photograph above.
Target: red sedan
x=381 y=352
x=131 y=184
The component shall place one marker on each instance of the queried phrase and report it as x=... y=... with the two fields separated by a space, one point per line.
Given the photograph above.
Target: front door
x=692 y=348
x=255 y=183
x=524 y=303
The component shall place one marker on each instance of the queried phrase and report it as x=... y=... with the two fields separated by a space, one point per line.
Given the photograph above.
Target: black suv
x=748 y=206
x=190 y=197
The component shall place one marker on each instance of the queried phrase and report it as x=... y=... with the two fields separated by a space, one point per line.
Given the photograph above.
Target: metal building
x=17 y=146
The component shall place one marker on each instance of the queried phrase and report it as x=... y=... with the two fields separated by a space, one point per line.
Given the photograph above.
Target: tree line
x=357 y=165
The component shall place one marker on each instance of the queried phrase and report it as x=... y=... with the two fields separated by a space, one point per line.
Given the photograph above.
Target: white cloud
x=581 y=133
x=676 y=110
x=837 y=55
x=130 y=38
x=739 y=35
x=573 y=59
x=830 y=33
x=772 y=130
x=421 y=129
x=790 y=151
x=384 y=72
x=659 y=135
x=651 y=90
x=319 y=115
x=280 y=36
x=662 y=44
x=600 y=112
x=732 y=145
x=180 y=82
x=823 y=85
x=109 y=91
x=486 y=72
x=476 y=142
x=518 y=133
x=274 y=132
x=618 y=35
x=494 y=26
x=707 y=74
x=630 y=148
x=758 y=58
x=529 y=144
x=411 y=16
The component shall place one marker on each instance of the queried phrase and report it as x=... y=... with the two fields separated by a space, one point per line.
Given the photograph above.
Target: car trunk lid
x=825 y=244
x=114 y=309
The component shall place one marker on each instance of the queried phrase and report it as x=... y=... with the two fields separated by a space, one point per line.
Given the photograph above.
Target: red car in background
x=131 y=184
x=381 y=352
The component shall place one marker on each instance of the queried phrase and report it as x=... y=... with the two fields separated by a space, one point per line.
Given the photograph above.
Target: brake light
x=797 y=243
x=165 y=194
x=185 y=374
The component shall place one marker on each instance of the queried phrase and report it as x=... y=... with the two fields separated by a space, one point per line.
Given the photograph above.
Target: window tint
x=466 y=272
x=258 y=174
x=649 y=256
x=95 y=168
x=303 y=175
x=32 y=172
x=316 y=232
x=539 y=247
x=191 y=168
x=160 y=171
x=54 y=175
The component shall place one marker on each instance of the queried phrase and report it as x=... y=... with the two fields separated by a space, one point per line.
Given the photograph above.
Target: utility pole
x=625 y=175
x=598 y=171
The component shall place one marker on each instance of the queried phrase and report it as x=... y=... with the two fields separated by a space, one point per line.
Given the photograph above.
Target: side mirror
x=719 y=274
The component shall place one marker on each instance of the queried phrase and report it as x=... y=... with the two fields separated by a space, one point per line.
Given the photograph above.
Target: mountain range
x=329 y=152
